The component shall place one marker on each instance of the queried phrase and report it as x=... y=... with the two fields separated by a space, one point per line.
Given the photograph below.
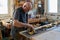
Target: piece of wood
x=34 y=20
x=7 y=25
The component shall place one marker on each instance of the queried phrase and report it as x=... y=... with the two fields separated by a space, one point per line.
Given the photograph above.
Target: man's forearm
x=20 y=24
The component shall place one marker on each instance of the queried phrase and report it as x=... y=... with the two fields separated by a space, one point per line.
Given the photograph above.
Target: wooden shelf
x=18 y=4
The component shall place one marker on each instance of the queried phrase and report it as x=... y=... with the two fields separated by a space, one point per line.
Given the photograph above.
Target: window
x=3 y=6
x=52 y=6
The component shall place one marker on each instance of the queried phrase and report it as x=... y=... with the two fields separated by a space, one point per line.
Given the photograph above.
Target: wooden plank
x=36 y=20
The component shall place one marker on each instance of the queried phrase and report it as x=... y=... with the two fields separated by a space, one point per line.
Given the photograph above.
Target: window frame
x=3 y=16
x=46 y=7
x=50 y=7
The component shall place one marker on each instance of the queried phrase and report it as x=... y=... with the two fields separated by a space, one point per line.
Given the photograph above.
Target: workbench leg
x=0 y=35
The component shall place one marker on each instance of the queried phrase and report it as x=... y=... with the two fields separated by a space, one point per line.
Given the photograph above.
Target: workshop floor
x=6 y=38
x=50 y=35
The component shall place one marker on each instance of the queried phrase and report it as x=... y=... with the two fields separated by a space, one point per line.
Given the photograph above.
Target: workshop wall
x=52 y=15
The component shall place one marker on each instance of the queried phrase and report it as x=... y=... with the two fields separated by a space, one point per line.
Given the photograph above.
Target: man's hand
x=30 y=26
x=31 y=30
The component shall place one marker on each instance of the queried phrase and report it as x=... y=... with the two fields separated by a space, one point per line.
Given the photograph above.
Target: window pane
x=3 y=6
x=52 y=6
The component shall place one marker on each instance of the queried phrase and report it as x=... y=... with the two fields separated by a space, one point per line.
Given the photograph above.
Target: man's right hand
x=30 y=26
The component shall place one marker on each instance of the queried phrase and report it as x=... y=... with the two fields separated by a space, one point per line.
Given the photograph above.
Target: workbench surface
x=51 y=34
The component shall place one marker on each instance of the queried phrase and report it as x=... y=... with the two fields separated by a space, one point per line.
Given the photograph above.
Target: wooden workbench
x=52 y=34
x=31 y=20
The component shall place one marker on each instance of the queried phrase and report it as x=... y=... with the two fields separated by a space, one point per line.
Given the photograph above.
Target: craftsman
x=20 y=20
